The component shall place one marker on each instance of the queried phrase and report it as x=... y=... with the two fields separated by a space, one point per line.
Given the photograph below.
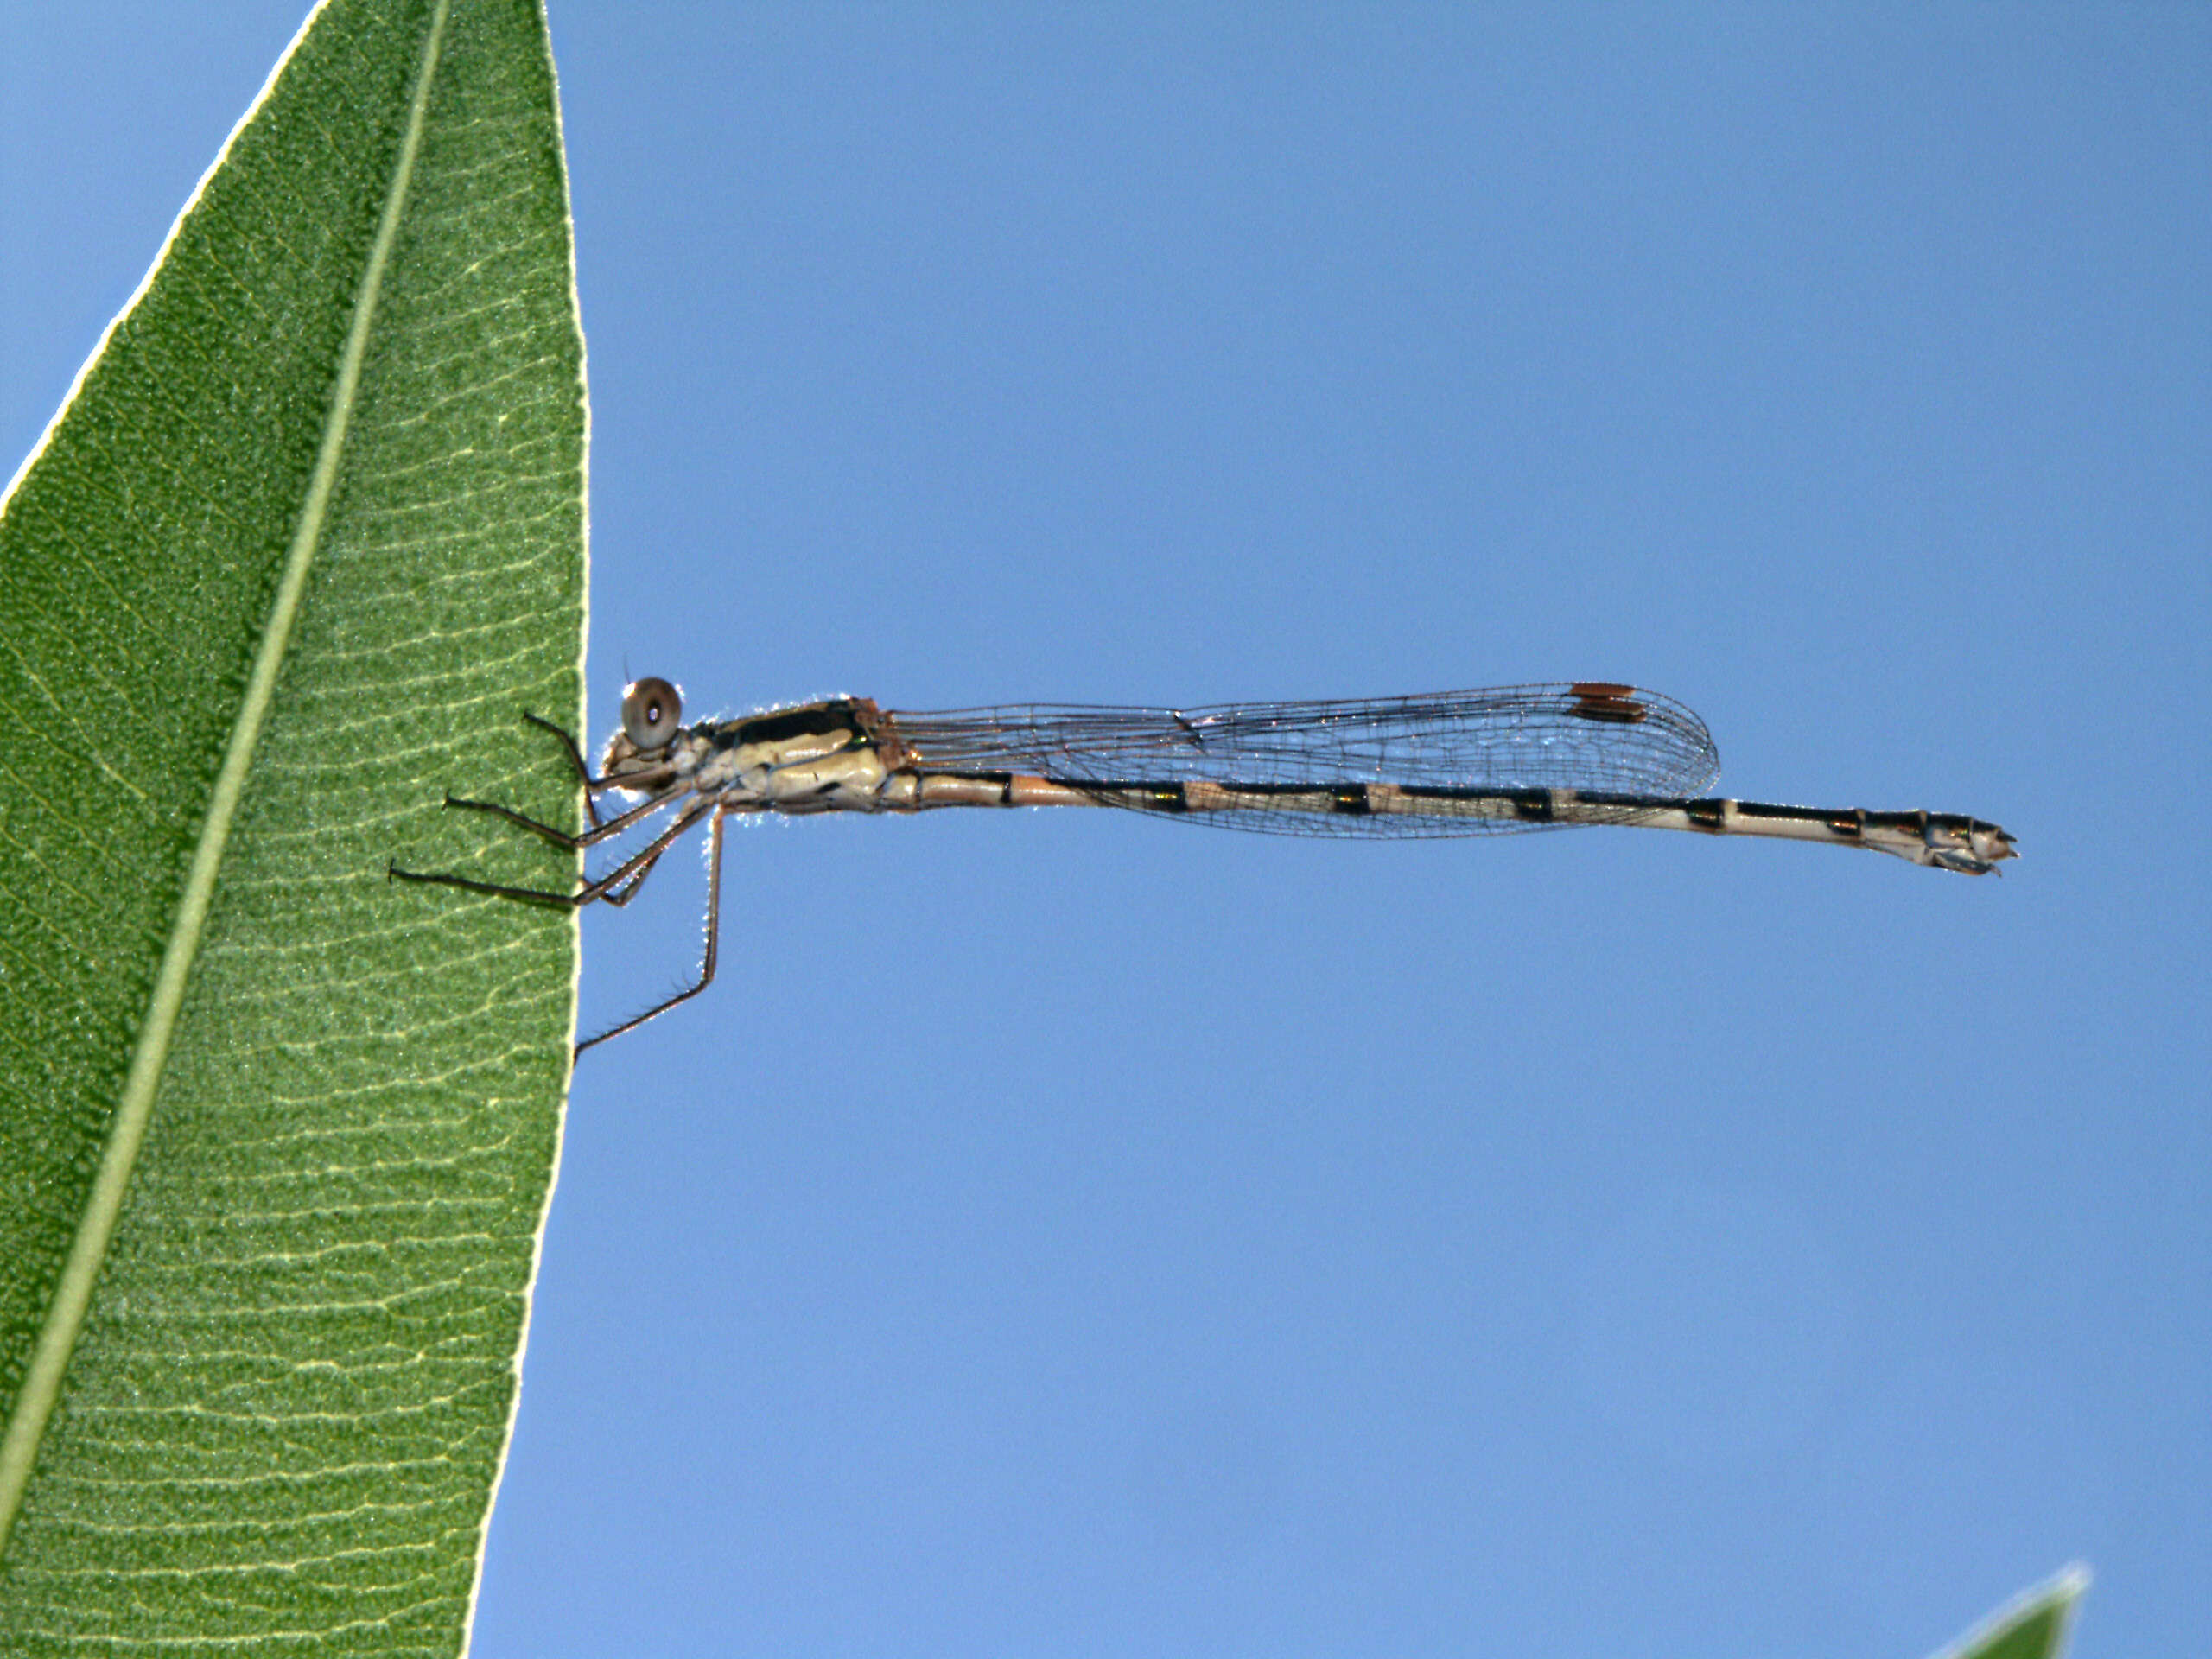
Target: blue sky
x=1076 y=1234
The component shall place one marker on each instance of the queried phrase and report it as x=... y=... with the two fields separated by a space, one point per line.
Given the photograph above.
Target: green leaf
x=277 y=1135
x=2032 y=1626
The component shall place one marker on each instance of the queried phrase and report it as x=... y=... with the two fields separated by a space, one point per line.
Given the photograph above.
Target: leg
x=713 y=929
x=599 y=830
x=592 y=785
x=620 y=896
x=625 y=876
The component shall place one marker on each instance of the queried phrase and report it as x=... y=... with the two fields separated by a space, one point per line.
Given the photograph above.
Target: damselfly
x=1456 y=762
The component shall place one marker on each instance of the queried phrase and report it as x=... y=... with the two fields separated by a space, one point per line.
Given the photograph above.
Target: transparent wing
x=1591 y=737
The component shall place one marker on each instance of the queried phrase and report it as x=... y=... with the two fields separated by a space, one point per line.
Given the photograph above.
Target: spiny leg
x=619 y=897
x=707 y=967
x=592 y=785
x=600 y=829
x=625 y=876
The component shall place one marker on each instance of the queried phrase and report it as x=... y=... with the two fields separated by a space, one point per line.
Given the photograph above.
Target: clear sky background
x=1079 y=1235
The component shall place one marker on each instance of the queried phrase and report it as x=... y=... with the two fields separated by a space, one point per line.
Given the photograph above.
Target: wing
x=1587 y=736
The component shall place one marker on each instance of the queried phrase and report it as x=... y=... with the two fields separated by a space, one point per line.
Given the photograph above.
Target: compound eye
x=651 y=709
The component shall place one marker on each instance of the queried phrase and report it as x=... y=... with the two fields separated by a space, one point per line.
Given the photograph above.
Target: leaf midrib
x=65 y=1318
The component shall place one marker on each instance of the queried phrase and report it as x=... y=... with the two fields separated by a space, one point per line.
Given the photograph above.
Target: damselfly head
x=651 y=710
x=652 y=716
